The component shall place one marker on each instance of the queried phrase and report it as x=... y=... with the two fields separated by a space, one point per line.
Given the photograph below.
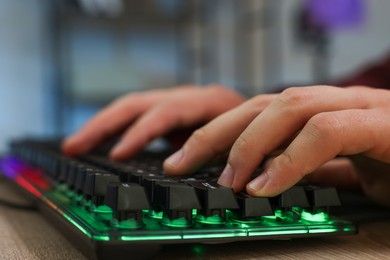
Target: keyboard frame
x=71 y=228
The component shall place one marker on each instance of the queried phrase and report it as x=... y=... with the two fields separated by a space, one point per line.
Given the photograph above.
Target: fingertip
x=226 y=177
x=180 y=163
x=257 y=185
x=264 y=192
x=169 y=170
x=175 y=158
x=118 y=153
x=251 y=191
x=172 y=165
x=77 y=144
x=69 y=146
x=124 y=149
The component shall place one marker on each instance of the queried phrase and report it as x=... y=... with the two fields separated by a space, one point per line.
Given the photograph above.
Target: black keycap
x=74 y=170
x=172 y=195
x=293 y=197
x=149 y=182
x=177 y=200
x=67 y=166
x=63 y=170
x=214 y=199
x=253 y=206
x=53 y=166
x=127 y=200
x=322 y=196
x=96 y=184
x=82 y=172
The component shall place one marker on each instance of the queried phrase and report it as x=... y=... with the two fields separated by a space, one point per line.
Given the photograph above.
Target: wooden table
x=25 y=234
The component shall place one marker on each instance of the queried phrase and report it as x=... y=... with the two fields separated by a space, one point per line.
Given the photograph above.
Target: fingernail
x=175 y=158
x=227 y=175
x=259 y=182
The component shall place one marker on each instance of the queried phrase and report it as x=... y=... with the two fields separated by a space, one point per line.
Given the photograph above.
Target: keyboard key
x=293 y=197
x=177 y=200
x=172 y=195
x=96 y=184
x=127 y=200
x=322 y=196
x=252 y=206
x=214 y=198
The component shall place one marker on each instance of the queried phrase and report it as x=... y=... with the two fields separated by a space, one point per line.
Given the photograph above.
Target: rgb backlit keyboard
x=113 y=209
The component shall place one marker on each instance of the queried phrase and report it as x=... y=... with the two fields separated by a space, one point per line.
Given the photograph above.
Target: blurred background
x=62 y=60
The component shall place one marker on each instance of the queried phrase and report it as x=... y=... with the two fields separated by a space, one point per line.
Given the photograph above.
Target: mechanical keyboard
x=116 y=209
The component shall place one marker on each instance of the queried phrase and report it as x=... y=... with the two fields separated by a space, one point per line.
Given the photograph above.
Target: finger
x=339 y=172
x=216 y=137
x=154 y=123
x=280 y=121
x=110 y=121
x=182 y=109
x=325 y=136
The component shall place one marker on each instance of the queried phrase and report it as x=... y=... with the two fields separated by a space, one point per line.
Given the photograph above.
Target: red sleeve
x=375 y=75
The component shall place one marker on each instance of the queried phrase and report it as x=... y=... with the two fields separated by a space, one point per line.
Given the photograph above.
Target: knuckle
x=222 y=91
x=201 y=139
x=325 y=125
x=167 y=106
x=241 y=146
x=217 y=87
x=126 y=100
x=200 y=136
x=288 y=161
x=293 y=96
x=259 y=102
x=165 y=114
x=171 y=108
x=131 y=95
